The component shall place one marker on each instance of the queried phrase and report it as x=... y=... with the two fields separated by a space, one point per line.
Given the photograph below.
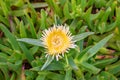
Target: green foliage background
x=95 y=58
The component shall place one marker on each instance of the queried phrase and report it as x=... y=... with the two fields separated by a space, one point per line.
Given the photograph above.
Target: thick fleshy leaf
x=41 y=77
x=114 y=68
x=49 y=60
x=55 y=76
x=10 y=36
x=72 y=63
x=106 y=76
x=32 y=28
x=56 y=65
x=90 y=67
x=92 y=51
x=27 y=53
x=22 y=30
x=5 y=71
x=31 y=41
x=4 y=7
x=105 y=62
x=68 y=75
x=81 y=36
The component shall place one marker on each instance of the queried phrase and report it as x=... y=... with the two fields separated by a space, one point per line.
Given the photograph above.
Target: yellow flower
x=57 y=40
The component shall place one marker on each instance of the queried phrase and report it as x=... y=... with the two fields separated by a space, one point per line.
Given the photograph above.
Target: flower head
x=57 y=40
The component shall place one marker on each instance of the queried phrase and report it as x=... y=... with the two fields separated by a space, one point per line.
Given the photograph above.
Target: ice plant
x=57 y=40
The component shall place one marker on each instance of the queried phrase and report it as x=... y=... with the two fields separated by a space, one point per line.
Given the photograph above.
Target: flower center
x=56 y=41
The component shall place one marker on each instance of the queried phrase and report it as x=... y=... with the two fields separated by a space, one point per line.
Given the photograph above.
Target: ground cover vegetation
x=59 y=39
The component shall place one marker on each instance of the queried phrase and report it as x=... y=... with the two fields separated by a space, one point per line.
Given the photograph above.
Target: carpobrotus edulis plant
x=57 y=40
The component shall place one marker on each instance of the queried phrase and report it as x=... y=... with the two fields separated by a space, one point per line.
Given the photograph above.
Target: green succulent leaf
x=49 y=60
x=81 y=36
x=35 y=42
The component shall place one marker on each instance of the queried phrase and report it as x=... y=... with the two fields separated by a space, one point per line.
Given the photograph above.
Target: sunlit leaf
x=82 y=36
x=31 y=41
